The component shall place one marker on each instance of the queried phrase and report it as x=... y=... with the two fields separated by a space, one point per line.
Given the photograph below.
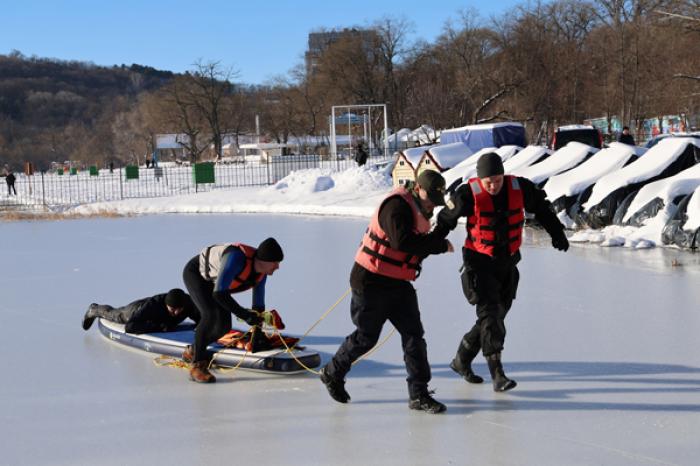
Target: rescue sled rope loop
x=290 y=350
x=325 y=314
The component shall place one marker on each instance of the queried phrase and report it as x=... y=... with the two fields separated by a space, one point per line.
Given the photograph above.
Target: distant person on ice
x=389 y=258
x=212 y=277
x=494 y=205
x=159 y=313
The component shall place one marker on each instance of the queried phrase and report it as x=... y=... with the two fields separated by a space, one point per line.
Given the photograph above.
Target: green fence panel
x=203 y=172
x=132 y=172
x=94 y=171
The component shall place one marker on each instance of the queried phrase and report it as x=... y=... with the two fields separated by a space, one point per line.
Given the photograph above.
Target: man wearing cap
x=494 y=205
x=215 y=274
x=159 y=313
x=389 y=258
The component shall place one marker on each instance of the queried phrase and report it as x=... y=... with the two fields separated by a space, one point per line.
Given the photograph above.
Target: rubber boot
x=335 y=387
x=462 y=363
x=501 y=383
x=89 y=316
x=427 y=403
x=200 y=372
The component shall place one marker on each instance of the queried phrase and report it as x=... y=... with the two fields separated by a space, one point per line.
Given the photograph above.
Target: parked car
x=580 y=133
x=655 y=140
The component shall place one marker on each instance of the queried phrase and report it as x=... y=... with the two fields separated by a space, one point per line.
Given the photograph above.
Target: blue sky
x=259 y=39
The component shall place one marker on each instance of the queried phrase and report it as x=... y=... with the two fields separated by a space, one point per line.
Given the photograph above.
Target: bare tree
x=209 y=85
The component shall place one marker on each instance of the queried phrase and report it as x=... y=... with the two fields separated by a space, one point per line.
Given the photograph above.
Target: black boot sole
x=469 y=376
x=509 y=385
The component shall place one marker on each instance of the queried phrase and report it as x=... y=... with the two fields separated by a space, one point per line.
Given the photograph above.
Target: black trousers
x=215 y=320
x=120 y=315
x=10 y=189
x=369 y=310
x=491 y=286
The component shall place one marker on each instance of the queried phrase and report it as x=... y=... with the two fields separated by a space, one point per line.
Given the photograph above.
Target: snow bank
x=666 y=189
x=450 y=155
x=693 y=212
x=353 y=192
x=565 y=158
x=579 y=178
x=651 y=164
x=525 y=158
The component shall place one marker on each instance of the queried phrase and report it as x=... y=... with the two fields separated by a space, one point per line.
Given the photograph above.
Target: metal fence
x=62 y=189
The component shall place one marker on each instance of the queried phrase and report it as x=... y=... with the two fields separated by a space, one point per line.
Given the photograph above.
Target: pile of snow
x=577 y=179
x=693 y=212
x=565 y=158
x=666 y=190
x=651 y=164
x=525 y=158
x=316 y=191
x=450 y=155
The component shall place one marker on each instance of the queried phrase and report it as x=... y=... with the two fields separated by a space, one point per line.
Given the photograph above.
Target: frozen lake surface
x=603 y=343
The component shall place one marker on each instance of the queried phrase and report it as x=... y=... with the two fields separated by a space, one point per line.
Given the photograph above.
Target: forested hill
x=47 y=104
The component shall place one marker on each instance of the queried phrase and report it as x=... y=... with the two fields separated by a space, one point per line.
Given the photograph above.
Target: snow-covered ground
x=603 y=344
x=354 y=192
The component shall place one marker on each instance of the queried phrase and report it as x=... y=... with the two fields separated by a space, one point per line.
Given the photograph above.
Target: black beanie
x=175 y=298
x=489 y=164
x=270 y=251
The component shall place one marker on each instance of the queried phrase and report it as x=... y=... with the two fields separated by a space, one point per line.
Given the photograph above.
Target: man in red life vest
x=215 y=274
x=397 y=240
x=494 y=205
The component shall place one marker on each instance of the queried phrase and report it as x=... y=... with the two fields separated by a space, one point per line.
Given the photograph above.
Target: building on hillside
x=319 y=42
x=170 y=144
x=407 y=161
x=443 y=157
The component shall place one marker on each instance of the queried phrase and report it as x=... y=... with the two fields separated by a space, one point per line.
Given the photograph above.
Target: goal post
x=359 y=123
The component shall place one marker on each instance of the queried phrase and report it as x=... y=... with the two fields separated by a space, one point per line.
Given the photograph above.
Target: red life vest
x=481 y=233
x=210 y=266
x=376 y=254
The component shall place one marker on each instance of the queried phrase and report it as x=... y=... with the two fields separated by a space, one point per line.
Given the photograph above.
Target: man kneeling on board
x=159 y=313
x=211 y=277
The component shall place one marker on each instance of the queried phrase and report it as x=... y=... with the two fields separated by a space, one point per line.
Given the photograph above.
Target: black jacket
x=151 y=315
x=626 y=139
x=396 y=219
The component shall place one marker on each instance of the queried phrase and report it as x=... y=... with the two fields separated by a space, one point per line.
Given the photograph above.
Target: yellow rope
x=170 y=361
x=251 y=330
x=324 y=315
x=375 y=348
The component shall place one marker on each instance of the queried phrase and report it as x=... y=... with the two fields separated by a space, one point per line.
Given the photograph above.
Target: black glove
x=560 y=242
x=253 y=318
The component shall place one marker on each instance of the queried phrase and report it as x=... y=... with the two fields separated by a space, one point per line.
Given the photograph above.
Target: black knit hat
x=269 y=251
x=175 y=298
x=489 y=164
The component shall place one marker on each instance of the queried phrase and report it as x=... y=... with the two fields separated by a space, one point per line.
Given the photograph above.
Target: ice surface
x=603 y=343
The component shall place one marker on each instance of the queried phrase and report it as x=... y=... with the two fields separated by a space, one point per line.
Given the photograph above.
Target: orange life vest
x=210 y=266
x=376 y=254
x=481 y=232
